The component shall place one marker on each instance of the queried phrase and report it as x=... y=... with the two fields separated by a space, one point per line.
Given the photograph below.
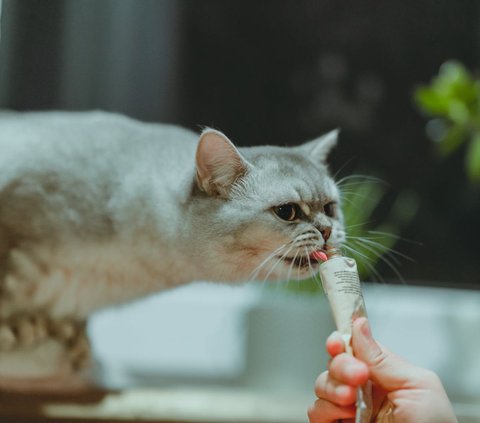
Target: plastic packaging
x=341 y=284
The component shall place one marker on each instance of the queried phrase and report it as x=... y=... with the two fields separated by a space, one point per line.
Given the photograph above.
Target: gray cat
x=97 y=209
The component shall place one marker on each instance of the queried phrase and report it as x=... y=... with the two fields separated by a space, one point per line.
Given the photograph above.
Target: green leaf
x=451 y=70
x=455 y=82
x=359 y=200
x=453 y=93
x=473 y=159
x=458 y=112
x=454 y=138
x=431 y=102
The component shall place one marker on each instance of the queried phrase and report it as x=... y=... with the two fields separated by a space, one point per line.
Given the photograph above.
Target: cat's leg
x=37 y=350
x=58 y=360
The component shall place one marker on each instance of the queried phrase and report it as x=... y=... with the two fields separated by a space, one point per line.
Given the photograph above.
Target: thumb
x=387 y=370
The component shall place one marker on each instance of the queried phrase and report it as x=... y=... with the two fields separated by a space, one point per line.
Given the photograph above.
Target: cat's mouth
x=306 y=262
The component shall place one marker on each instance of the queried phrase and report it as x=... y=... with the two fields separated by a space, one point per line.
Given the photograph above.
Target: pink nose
x=326 y=232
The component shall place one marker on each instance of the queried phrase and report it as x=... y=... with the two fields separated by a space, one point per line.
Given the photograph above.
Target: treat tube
x=341 y=284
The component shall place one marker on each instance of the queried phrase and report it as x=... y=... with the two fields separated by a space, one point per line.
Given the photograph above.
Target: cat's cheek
x=253 y=252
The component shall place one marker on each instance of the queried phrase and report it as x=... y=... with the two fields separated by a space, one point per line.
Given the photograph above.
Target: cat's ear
x=219 y=163
x=319 y=148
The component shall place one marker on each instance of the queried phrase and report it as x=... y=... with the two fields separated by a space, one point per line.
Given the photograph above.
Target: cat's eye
x=330 y=209
x=288 y=212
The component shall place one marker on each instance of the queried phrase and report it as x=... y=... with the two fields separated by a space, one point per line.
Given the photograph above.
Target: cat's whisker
x=346 y=178
x=308 y=236
x=381 y=248
x=346 y=227
x=356 y=252
x=280 y=259
x=387 y=261
x=270 y=259
x=376 y=249
x=360 y=179
x=394 y=236
x=298 y=267
x=350 y=190
x=347 y=200
x=310 y=267
x=315 y=274
x=366 y=237
x=272 y=255
x=366 y=262
x=290 y=268
x=341 y=168
x=307 y=244
x=352 y=193
x=306 y=241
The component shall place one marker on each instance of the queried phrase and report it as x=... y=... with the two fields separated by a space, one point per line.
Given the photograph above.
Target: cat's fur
x=97 y=209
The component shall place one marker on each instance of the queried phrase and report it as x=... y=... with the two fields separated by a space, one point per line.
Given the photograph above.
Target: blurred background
x=399 y=78
x=275 y=72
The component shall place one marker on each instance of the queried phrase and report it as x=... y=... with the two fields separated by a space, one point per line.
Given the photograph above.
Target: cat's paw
x=56 y=385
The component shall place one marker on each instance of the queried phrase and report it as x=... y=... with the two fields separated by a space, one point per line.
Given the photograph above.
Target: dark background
x=276 y=72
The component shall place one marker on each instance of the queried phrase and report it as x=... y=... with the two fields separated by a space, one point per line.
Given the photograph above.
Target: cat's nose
x=326 y=231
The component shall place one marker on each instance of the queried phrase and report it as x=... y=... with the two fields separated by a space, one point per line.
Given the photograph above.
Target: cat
x=97 y=209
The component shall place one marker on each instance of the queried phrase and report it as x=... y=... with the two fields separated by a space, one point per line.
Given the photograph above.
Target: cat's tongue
x=319 y=256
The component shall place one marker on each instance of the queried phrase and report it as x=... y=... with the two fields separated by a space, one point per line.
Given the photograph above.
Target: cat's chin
x=299 y=267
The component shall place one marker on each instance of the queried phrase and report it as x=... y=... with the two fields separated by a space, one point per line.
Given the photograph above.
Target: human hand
x=407 y=394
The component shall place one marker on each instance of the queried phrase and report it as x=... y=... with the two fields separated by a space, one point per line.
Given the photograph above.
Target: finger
x=386 y=369
x=323 y=411
x=335 y=344
x=332 y=390
x=348 y=370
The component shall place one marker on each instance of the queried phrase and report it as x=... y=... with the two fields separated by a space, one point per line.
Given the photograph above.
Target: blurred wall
x=114 y=55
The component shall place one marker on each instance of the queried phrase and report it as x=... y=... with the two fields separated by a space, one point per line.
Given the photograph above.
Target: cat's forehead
x=281 y=175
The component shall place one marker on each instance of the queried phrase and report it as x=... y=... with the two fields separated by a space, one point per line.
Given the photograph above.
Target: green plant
x=370 y=241
x=452 y=101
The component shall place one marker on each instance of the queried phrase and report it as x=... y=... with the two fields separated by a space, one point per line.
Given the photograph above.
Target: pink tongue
x=319 y=256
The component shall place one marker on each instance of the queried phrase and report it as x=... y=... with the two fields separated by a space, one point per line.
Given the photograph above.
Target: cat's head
x=264 y=210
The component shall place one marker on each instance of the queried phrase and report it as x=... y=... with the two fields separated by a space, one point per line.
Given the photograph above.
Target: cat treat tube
x=341 y=284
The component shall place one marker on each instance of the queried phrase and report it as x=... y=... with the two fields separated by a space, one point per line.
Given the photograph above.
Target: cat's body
x=78 y=193
x=97 y=209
